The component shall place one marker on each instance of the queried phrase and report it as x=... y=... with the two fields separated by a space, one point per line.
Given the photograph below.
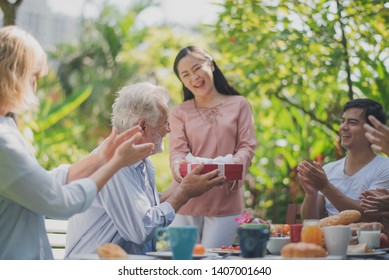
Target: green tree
x=9 y=9
x=298 y=62
x=53 y=130
x=115 y=50
x=99 y=59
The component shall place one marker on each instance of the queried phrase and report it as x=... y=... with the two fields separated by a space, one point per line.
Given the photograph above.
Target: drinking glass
x=311 y=232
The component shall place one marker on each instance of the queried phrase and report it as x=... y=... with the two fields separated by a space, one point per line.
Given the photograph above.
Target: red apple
x=384 y=240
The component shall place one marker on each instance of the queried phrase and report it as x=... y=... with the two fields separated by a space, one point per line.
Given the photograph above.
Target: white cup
x=337 y=239
x=371 y=237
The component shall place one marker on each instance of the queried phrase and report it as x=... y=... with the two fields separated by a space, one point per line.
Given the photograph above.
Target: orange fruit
x=286 y=229
x=199 y=249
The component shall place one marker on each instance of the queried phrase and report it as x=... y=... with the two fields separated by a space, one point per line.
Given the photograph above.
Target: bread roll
x=303 y=250
x=343 y=218
x=357 y=248
x=111 y=251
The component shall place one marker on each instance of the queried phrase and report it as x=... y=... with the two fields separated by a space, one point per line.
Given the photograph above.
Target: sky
x=184 y=12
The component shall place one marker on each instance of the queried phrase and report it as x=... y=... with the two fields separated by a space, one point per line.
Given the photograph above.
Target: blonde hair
x=21 y=59
x=136 y=102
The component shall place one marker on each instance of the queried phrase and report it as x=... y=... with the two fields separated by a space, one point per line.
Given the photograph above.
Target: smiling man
x=337 y=185
x=129 y=211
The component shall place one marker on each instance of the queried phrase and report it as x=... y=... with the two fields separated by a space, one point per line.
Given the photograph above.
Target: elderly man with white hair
x=129 y=210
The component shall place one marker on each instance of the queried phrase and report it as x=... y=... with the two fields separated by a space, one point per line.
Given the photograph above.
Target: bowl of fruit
x=279 y=237
x=275 y=244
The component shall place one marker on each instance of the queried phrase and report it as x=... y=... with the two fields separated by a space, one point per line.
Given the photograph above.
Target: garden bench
x=56 y=231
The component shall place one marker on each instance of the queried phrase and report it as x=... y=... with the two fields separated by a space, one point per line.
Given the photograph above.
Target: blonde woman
x=27 y=191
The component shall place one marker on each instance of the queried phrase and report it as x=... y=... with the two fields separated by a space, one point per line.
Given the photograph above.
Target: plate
x=368 y=254
x=167 y=255
x=96 y=257
x=225 y=251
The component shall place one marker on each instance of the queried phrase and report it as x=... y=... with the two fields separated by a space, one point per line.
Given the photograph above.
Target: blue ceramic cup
x=253 y=241
x=181 y=239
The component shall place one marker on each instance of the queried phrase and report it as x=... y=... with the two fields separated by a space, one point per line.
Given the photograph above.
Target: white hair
x=136 y=102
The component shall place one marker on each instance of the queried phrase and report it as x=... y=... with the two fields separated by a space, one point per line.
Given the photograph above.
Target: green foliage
x=101 y=59
x=115 y=51
x=298 y=62
x=51 y=116
x=54 y=129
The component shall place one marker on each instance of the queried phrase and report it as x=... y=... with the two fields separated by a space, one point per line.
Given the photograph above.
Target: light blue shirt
x=125 y=212
x=28 y=193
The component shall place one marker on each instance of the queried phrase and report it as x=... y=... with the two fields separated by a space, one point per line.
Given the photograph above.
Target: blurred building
x=48 y=27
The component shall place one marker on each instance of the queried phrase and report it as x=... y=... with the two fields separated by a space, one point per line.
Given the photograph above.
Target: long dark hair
x=220 y=82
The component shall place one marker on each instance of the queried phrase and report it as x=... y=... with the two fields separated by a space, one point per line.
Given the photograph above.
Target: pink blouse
x=228 y=128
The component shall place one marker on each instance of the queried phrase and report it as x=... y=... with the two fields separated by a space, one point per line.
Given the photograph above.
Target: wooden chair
x=56 y=231
x=293 y=213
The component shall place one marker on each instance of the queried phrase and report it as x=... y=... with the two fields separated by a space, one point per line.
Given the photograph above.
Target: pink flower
x=244 y=219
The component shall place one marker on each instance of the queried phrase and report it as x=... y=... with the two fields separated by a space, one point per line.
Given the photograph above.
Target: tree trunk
x=345 y=52
x=9 y=10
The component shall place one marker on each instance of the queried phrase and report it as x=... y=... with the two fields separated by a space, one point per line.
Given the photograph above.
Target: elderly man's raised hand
x=377 y=135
